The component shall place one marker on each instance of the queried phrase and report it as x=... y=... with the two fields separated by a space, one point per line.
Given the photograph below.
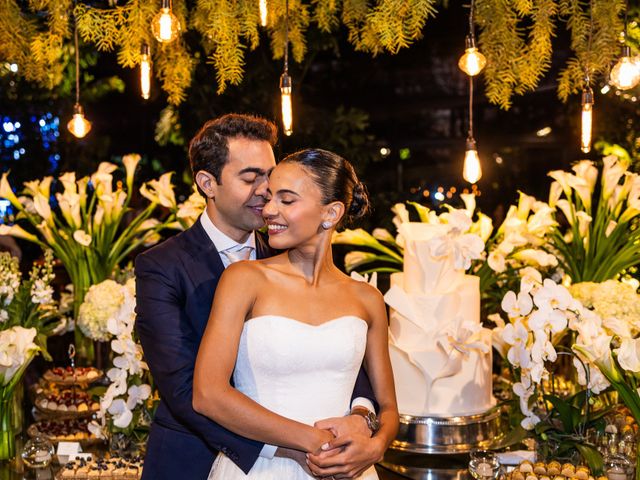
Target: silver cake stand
x=450 y=435
x=435 y=448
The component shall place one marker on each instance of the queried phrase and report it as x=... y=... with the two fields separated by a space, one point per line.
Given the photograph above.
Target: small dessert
x=540 y=468
x=69 y=376
x=554 y=468
x=526 y=467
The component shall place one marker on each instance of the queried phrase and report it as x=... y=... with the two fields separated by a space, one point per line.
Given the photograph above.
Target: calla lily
x=629 y=354
x=383 y=235
x=555 y=190
x=82 y=190
x=17 y=231
x=130 y=163
x=7 y=192
x=160 y=191
x=541 y=222
x=524 y=205
x=82 y=237
x=469 y=200
x=582 y=188
x=68 y=180
x=565 y=208
x=39 y=187
x=41 y=204
x=358 y=237
x=611 y=227
x=584 y=221
x=483 y=227
x=353 y=260
x=401 y=214
x=586 y=170
x=535 y=257
x=562 y=178
x=69 y=204
x=598 y=352
x=613 y=170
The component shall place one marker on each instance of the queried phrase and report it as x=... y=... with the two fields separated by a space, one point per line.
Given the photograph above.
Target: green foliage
x=515 y=35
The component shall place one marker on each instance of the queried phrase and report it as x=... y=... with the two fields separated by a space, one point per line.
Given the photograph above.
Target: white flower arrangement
x=127 y=390
x=538 y=315
x=102 y=302
x=18 y=348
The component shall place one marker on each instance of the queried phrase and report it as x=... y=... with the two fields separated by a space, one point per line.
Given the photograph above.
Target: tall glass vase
x=7 y=431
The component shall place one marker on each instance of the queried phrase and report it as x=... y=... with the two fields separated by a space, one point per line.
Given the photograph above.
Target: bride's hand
x=321 y=438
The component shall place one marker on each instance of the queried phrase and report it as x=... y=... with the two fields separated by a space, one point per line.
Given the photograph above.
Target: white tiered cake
x=441 y=355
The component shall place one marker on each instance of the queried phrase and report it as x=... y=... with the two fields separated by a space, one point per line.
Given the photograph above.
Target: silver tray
x=450 y=435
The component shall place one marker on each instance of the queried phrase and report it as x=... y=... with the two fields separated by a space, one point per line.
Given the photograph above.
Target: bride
x=293 y=330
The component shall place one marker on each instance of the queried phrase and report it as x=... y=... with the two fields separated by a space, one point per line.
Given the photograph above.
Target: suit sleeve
x=170 y=348
x=364 y=389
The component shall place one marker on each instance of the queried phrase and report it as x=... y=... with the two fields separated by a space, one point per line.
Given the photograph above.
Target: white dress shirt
x=223 y=243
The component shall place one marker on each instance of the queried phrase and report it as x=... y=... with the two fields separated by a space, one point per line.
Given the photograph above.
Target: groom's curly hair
x=209 y=148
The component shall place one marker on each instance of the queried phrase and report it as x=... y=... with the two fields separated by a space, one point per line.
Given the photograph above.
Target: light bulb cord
x=472 y=29
x=286 y=38
x=75 y=41
x=587 y=79
x=470 y=133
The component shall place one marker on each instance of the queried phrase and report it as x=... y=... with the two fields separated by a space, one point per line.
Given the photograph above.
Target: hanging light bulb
x=263 y=13
x=78 y=125
x=587 y=119
x=471 y=171
x=287 y=114
x=145 y=71
x=285 y=80
x=165 y=26
x=626 y=73
x=472 y=62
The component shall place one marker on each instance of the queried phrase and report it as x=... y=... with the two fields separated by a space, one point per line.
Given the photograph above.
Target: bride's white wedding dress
x=300 y=371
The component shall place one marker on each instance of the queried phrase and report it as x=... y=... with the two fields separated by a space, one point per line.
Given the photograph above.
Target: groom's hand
x=347 y=456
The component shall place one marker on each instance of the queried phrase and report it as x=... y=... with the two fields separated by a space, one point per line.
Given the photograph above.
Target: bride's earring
x=326 y=225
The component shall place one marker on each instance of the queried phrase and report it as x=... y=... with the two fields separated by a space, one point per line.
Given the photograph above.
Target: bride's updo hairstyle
x=337 y=180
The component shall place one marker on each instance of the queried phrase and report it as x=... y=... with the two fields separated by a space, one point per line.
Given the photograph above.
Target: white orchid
x=518 y=305
x=137 y=395
x=121 y=413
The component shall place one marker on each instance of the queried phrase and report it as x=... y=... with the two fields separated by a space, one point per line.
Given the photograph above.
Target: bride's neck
x=313 y=260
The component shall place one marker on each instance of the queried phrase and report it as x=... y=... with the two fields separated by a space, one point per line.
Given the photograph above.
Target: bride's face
x=294 y=210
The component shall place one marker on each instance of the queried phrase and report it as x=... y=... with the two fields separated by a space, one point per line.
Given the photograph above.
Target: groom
x=231 y=158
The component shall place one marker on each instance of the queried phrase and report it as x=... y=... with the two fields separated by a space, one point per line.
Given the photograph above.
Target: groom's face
x=241 y=191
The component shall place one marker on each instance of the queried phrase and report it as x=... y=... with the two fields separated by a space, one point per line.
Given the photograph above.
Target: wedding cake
x=440 y=353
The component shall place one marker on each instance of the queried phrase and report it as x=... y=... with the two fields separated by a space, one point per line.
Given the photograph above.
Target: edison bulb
x=287 y=113
x=165 y=26
x=145 y=72
x=78 y=125
x=587 y=120
x=626 y=73
x=471 y=171
x=472 y=62
x=263 y=12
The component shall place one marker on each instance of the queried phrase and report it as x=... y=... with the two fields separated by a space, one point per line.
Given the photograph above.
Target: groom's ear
x=207 y=183
x=334 y=212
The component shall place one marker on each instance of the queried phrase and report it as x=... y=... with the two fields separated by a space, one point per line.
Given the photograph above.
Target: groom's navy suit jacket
x=175 y=284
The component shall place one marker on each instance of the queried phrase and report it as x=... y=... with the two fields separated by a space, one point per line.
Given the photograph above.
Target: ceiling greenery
x=516 y=36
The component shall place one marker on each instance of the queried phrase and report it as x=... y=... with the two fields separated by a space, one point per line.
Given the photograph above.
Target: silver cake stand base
x=450 y=435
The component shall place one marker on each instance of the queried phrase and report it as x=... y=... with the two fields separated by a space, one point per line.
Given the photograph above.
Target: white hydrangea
x=102 y=303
